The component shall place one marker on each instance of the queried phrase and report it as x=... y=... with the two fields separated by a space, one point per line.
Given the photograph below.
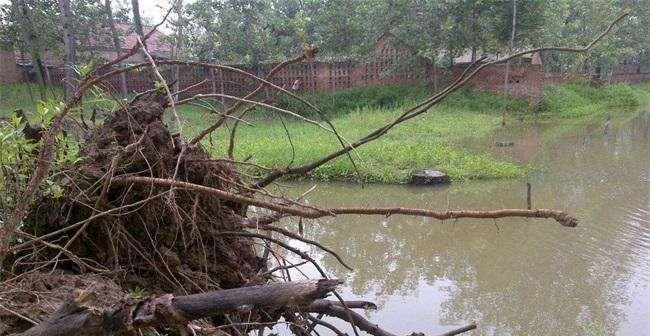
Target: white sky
x=152 y=10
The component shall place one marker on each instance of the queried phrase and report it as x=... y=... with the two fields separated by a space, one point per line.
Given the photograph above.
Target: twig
x=163 y=82
x=340 y=312
x=238 y=104
x=326 y=325
x=11 y=311
x=298 y=252
x=284 y=267
x=304 y=240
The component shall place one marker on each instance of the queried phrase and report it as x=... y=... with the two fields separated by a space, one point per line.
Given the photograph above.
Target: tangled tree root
x=167 y=243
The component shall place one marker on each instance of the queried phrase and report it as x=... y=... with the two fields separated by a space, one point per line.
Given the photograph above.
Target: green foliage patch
x=578 y=99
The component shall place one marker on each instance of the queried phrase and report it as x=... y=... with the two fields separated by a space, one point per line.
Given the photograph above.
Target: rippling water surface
x=512 y=276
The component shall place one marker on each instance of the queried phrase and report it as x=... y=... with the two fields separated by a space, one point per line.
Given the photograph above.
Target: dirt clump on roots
x=152 y=237
x=36 y=295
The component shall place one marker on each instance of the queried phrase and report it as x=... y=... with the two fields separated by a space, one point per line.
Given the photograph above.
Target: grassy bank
x=424 y=142
x=578 y=100
x=432 y=140
x=340 y=103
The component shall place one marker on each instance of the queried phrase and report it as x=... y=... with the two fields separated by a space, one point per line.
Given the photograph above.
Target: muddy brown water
x=512 y=276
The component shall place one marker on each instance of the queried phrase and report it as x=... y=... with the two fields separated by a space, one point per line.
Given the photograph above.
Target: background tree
x=115 y=37
x=69 y=43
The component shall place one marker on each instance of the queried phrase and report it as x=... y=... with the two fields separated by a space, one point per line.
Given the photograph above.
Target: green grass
x=577 y=100
x=17 y=96
x=432 y=140
x=427 y=141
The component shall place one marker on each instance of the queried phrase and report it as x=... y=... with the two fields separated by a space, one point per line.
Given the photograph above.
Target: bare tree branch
x=77 y=317
x=313 y=212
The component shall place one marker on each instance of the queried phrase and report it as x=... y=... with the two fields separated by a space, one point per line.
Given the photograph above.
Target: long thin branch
x=422 y=108
x=304 y=240
x=163 y=82
x=560 y=216
x=313 y=212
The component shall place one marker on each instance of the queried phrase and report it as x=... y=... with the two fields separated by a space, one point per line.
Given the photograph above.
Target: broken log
x=77 y=317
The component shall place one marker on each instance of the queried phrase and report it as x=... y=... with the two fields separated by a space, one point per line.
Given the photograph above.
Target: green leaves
x=19 y=155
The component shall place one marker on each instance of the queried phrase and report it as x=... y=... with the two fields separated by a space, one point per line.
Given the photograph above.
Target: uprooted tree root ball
x=151 y=233
x=167 y=241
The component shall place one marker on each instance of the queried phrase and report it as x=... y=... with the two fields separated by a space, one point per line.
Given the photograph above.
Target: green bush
x=619 y=95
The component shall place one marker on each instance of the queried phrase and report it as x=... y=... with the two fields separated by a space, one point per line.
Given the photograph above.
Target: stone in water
x=429 y=177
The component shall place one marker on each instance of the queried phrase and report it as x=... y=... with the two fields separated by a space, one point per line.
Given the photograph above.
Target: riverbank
x=436 y=139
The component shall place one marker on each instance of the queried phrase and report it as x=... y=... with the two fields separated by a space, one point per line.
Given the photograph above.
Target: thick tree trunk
x=116 y=43
x=77 y=318
x=137 y=23
x=69 y=47
x=137 y=20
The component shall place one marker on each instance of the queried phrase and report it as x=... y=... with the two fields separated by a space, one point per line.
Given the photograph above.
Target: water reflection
x=514 y=276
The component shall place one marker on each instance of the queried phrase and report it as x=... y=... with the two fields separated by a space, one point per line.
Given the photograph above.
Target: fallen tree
x=149 y=208
x=76 y=316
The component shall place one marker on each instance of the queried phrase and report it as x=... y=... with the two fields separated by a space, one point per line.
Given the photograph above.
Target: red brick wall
x=9 y=73
x=525 y=81
x=633 y=78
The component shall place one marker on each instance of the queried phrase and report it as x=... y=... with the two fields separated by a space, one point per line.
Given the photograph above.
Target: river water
x=511 y=276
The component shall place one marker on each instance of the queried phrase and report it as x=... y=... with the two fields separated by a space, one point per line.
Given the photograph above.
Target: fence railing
x=525 y=81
